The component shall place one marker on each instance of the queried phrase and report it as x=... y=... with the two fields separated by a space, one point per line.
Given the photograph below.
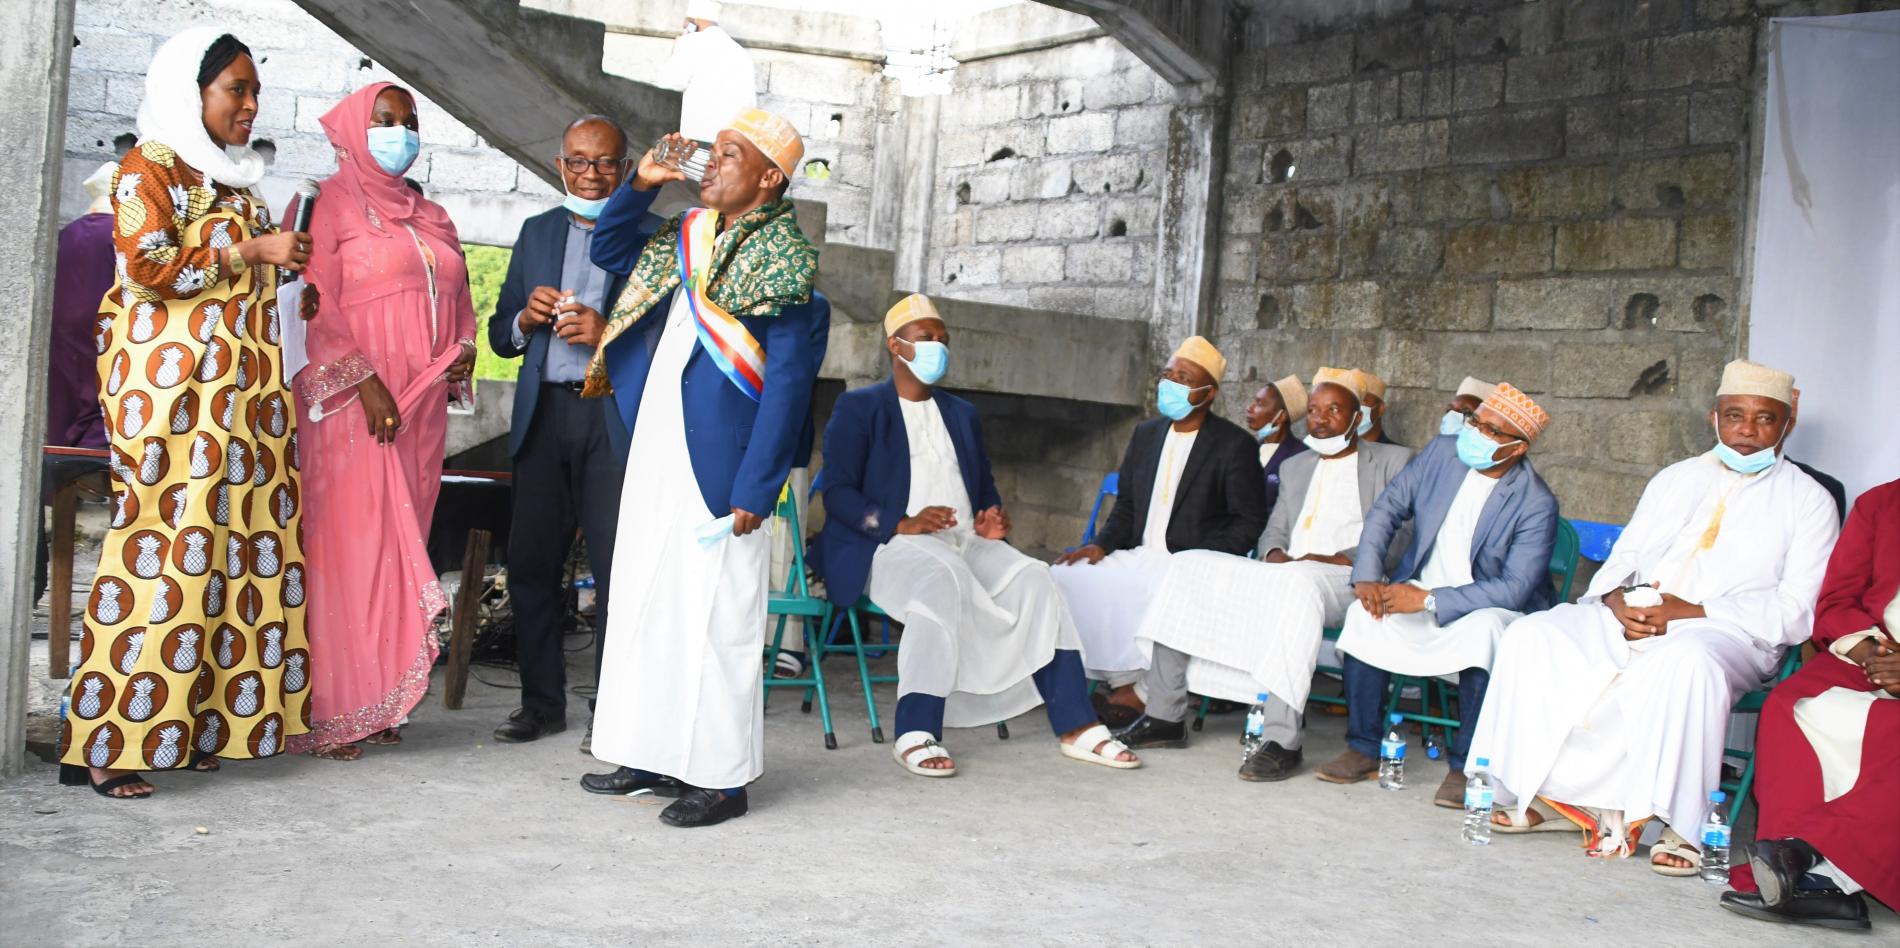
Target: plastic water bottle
x=1254 y=735
x=1479 y=797
x=1715 y=840
x=1392 y=758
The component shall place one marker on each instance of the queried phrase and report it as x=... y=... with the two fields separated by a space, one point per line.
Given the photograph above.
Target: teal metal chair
x=1752 y=703
x=797 y=601
x=856 y=647
x=1564 y=559
x=1565 y=556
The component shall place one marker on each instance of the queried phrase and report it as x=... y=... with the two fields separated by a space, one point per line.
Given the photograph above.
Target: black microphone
x=307 y=191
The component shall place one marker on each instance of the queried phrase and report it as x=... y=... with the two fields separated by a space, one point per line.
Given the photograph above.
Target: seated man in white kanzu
x=1611 y=711
x=910 y=502
x=1483 y=524
x=1233 y=628
x=1190 y=480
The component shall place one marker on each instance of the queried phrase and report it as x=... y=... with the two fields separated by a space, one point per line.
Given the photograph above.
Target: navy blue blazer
x=741 y=450
x=536 y=261
x=866 y=478
x=1510 y=553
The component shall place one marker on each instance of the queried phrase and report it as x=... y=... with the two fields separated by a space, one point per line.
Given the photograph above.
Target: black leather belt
x=570 y=386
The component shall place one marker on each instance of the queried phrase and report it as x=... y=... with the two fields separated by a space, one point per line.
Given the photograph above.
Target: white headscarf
x=173 y=111
x=99 y=188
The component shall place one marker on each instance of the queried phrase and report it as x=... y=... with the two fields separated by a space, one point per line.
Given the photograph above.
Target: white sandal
x=1097 y=746
x=910 y=741
x=1672 y=844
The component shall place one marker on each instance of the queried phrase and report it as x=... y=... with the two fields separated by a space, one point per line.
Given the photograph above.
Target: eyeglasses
x=1491 y=431
x=578 y=165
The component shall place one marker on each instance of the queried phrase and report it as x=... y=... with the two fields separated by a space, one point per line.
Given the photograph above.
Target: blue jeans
x=1062 y=683
x=1366 y=688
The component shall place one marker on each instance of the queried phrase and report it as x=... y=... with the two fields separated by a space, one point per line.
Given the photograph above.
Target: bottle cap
x=1396 y=718
x=1484 y=761
x=1717 y=797
x=1260 y=697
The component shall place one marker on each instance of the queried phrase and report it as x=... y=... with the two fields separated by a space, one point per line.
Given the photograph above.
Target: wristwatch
x=1431 y=604
x=237 y=264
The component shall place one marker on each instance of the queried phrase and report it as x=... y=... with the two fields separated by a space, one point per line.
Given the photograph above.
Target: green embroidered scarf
x=761 y=263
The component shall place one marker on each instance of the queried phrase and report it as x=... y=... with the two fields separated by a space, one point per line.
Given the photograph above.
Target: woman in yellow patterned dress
x=194 y=646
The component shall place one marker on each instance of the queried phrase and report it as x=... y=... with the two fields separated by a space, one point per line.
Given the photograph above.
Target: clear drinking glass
x=687 y=157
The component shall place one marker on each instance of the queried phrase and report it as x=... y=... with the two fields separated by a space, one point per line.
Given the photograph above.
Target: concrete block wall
x=304 y=69
x=1551 y=194
x=1048 y=181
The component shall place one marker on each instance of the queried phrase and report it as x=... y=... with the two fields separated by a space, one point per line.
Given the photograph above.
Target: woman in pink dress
x=392 y=340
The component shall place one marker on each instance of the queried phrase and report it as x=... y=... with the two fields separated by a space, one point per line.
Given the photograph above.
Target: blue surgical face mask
x=1746 y=463
x=929 y=362
x=582 y=206
x=1365 y=420
x=1172 y=398
x=1327 y=447
x=1267 y=431
x=1477 y=451
x=394 y=147
x=1450 y=424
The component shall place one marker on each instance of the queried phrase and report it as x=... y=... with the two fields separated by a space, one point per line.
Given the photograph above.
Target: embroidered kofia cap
x=1518 y=409
x=1348 y=379
x=1742 y=377
x=1475 y=387
x=1202 y=353
x=1293 y=393
x=909 y=310
x=771 y=134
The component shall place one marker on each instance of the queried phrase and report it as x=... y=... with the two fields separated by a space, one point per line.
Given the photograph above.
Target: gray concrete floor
x=452 y=839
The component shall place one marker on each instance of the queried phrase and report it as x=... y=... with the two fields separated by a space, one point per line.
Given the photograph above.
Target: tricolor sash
x=732 y=347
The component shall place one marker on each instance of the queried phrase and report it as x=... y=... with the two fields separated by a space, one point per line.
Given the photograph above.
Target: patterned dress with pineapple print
x=194 y=632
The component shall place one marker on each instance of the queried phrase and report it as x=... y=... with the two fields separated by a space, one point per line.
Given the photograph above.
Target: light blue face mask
x=931 y=361
x=394 y=147
x=1172 y=399
x=1365 y=420
x=1747 y=463
x=582 y=207
x=1477 y=451
x=1267 y=431
x=1450 y=424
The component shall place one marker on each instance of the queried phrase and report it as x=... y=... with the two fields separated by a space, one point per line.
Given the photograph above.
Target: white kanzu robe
x=1250 y=626
x=680 y=690
x=1579 y=714
x=1109 y=599
x=979 y=617
x=1413 y=643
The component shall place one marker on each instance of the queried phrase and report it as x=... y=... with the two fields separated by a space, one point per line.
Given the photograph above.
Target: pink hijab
x=379 y=198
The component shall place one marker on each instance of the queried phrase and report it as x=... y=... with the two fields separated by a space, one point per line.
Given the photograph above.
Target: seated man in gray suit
x=1235 y=628
x=1483 y=525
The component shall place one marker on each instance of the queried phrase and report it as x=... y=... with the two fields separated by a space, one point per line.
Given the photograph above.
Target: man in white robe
x=1611 y=711
x=1235 y=628
x=910 y=498
x=710 y=353
x=1483 y=524
x=1189 y=480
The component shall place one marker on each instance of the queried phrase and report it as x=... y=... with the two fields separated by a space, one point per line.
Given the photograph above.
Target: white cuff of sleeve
x=514 y=332
x=1846 y=644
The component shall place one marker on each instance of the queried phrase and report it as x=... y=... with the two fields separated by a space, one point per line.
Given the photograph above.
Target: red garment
x=1860 y=829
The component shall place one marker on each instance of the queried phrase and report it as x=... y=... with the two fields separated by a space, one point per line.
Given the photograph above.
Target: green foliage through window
x=487 y=266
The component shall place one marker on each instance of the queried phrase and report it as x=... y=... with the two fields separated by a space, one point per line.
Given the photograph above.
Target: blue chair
x=797 y=601
x=1111 y=485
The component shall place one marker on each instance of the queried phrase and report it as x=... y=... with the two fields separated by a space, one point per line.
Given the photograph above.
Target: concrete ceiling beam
x=1185 y=43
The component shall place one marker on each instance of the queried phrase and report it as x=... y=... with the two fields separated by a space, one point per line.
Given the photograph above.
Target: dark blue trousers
x=1365 y=708
x=1063 y=684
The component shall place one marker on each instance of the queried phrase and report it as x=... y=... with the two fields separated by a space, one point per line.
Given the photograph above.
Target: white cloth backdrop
x=1826 y=294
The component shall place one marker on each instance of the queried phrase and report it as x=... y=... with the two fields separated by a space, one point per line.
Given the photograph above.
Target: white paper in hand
x=290 y=324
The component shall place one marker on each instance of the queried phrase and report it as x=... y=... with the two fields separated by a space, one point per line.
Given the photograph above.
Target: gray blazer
x=1378 y=465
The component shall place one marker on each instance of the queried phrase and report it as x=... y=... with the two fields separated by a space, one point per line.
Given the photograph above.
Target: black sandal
x=73 y=775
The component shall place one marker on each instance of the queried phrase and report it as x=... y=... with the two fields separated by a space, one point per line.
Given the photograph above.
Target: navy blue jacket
x=536 y=261
x=1510 y=552
x=741 y=450
x=866 y=478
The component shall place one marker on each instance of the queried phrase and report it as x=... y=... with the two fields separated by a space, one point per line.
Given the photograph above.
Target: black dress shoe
x=1153 y=732
x=700 y=807
x=1779 y=865
x=1271 y=763
x=1116 y=716
x=1807 y=907
x=525 y=725
x=626 y=780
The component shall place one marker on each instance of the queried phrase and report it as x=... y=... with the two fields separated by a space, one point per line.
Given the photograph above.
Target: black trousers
x=567 y=476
